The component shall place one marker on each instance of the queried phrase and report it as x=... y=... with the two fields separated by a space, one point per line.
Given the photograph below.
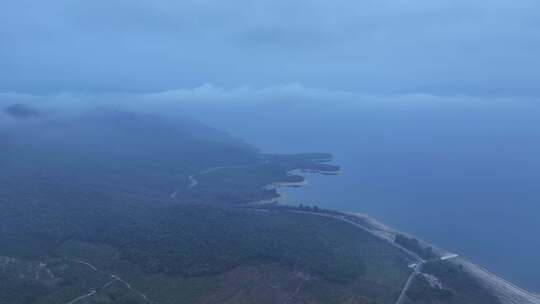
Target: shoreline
x=276 y=185
x=506 y=291
x=295 y=172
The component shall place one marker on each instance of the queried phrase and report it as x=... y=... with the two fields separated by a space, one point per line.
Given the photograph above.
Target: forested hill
x=114 y=207
x=121 y=208
x=140 y=155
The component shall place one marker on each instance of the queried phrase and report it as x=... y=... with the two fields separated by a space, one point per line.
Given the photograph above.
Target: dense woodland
x=116 y=189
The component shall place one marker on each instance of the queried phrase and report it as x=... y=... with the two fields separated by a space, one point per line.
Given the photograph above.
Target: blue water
x=467 y=180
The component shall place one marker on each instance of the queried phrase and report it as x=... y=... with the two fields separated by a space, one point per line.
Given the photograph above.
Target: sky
x=374 y=47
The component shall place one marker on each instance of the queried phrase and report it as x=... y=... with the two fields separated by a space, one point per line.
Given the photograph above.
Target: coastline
x=506 y=291
x=295 y=172
x=275 y=186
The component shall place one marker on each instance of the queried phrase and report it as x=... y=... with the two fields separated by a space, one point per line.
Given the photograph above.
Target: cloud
x=445 y=47
x=212 y=98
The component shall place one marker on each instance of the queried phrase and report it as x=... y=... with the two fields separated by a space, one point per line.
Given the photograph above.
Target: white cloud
x=211 y=97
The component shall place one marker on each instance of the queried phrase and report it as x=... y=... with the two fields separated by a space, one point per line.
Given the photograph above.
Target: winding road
x=193 y=182
x=113 y=279
x=91 y=293
x=403 y=295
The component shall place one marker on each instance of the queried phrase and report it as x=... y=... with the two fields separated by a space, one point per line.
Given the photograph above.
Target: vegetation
x=131 y=209
x=458 y=286
x=422 y=292
x=191 y=241
x=414 y=245
x=304 y=161
x=99 y=189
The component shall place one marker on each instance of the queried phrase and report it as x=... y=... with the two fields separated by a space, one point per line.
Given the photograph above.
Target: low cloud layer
x=276 y=109
x=286 y=97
